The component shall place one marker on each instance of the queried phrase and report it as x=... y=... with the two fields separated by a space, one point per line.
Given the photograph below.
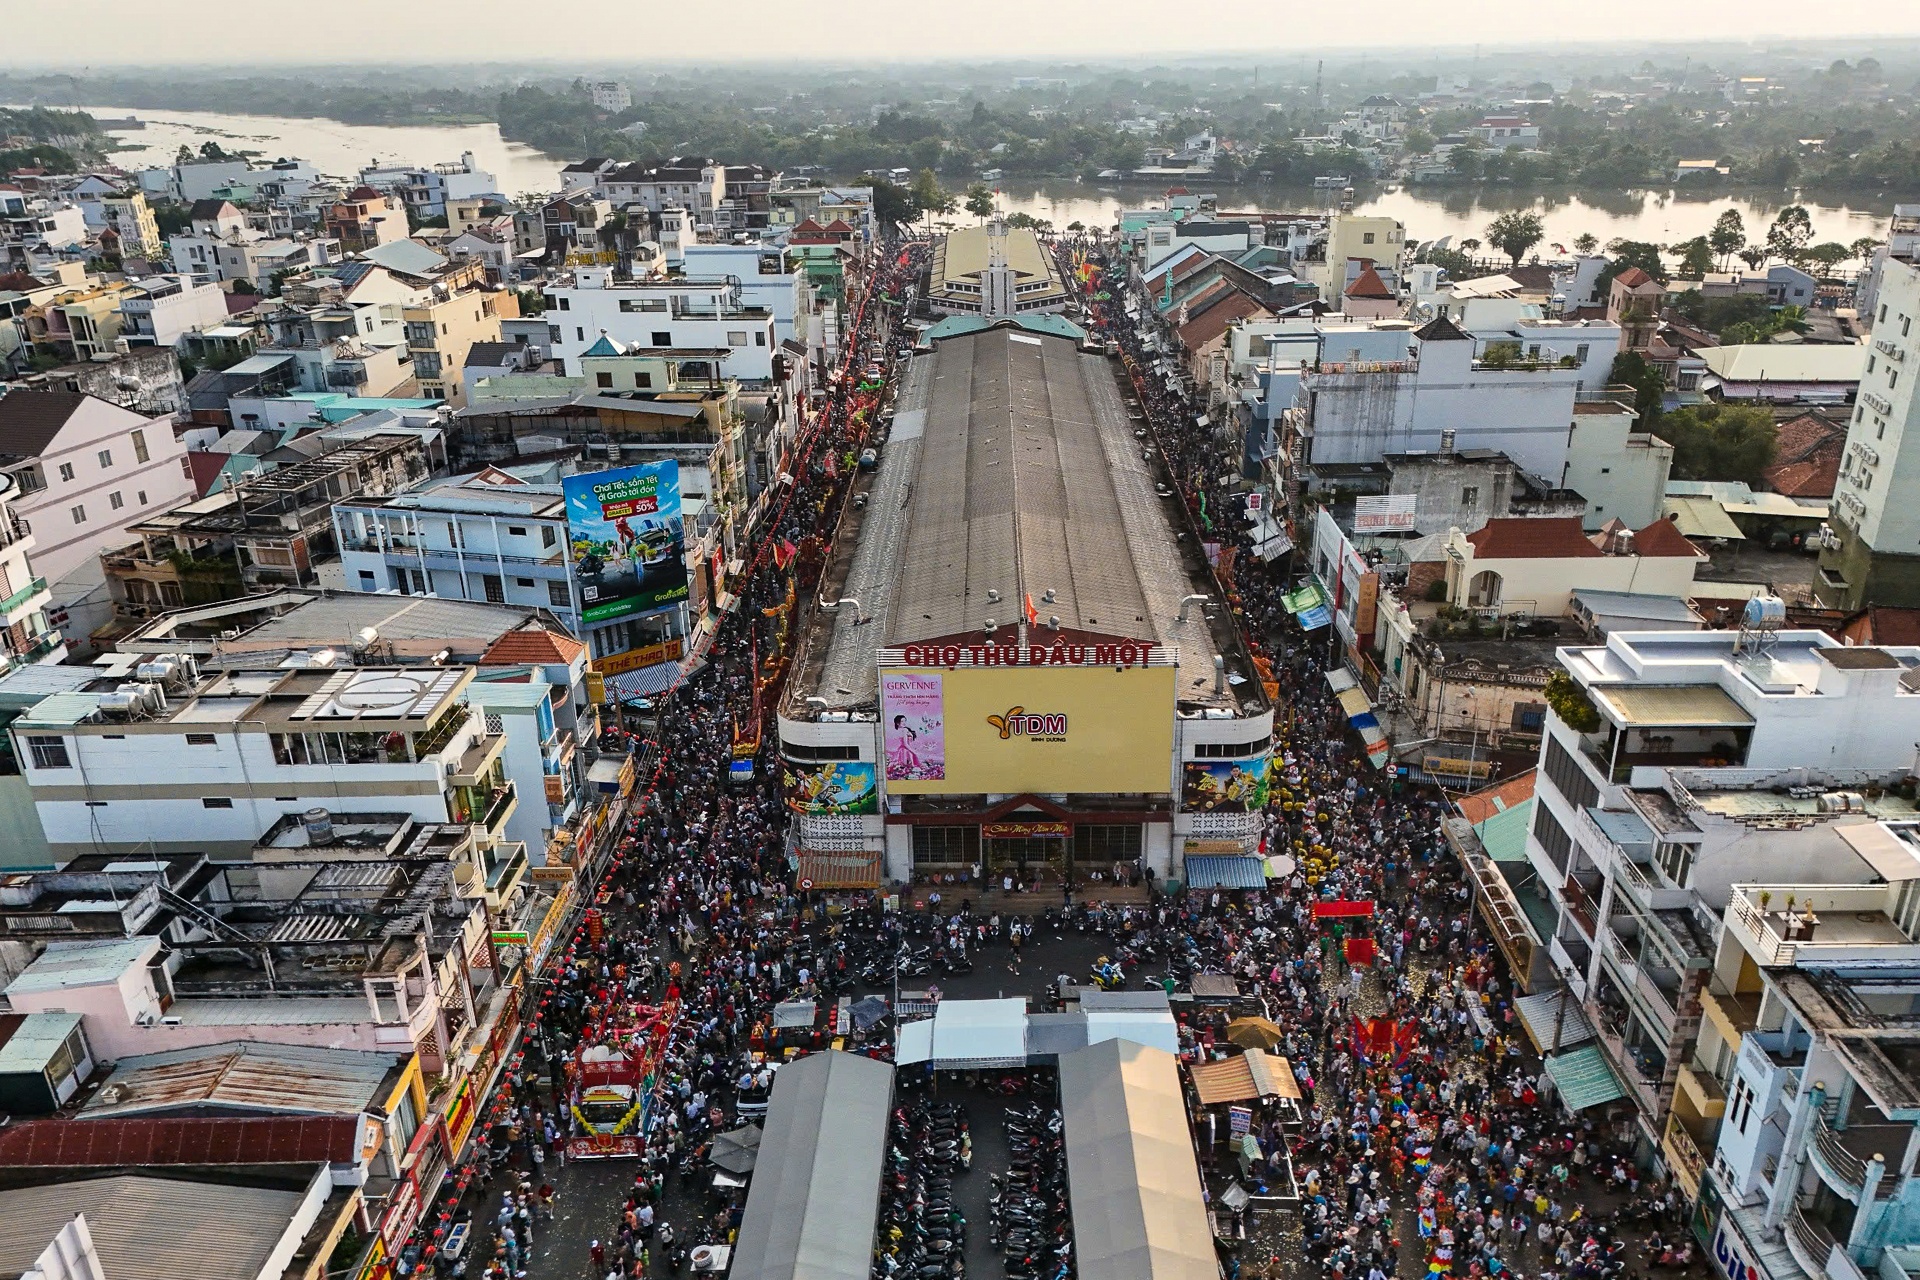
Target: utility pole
x=1319 y=75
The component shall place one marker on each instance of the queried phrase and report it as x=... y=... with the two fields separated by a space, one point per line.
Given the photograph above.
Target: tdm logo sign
x=1018 y=722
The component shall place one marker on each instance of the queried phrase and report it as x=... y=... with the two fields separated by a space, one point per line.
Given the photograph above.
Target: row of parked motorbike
x=922 y=1233
x=1029 y=1218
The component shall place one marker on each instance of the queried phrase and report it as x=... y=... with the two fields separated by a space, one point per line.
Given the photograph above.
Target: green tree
x=1720 y=442
x=928 y=196
x=1791 y=232
x=211 y=150
x=1729 y=235
x=184 y=155
x=1696 y=257
x=1863 y=248
x=1585 y=243
x=1515 y=232
x=1418 y=141
x=1753 y=255
x=979 y=201
x=1622 y=254
x=1828 y=255
x=1630 y=369
x=892 y=204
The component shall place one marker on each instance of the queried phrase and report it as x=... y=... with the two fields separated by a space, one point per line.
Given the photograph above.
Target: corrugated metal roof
x=1551 y=1017
x=265 y=1077
x=111 y=1143
x=30 y=1043
x=79 y=964
x=1225 y=871
x=151 y=1228
x=60 y=710
x=1584 y=1078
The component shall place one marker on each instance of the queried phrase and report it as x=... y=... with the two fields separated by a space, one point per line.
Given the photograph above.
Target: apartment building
x=84 y=470
x=494 y=536
x=1695 y=760
x=704 y=318
x=1444 y=389
x=441 y=331
x=129 y=217
x=157 y=755
x=259 y=531
x=1800 y=1128
x=425 y=192
x=161 y=310
x=1871 y=553
x=25 y=635
x=610 y=95
x=365 y=219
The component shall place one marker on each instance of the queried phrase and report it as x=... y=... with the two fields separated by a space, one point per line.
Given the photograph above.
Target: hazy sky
x=635 y=31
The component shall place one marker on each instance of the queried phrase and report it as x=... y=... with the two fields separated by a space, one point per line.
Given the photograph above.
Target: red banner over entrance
x=1340 y=907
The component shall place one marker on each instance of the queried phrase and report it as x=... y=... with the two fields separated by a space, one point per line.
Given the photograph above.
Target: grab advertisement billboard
x=972 y=730
x=629 y=545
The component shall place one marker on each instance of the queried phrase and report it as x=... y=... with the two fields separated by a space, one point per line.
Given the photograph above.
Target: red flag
x=1033 y=614
x=783 y=553
x=1359 y=950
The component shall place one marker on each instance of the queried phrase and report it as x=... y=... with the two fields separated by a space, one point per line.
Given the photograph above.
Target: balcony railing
x=1581 y=906
x=1810 y=1243
x=1836 y=1153
x=23 y=595
x=39 y=649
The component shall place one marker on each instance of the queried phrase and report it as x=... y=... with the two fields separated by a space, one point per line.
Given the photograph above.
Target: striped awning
x=1225 y=871
x=1584 y=1078
x=837 y=870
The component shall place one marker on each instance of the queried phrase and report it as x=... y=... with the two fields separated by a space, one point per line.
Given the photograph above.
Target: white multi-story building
x=1706 y=759
x=474 y=538
x=1871 y=554
x=610 y=95
x=24 y=634
x=1445 y=389
x=427 y=191
x=709 y=314
x=84 y=469
x=1800 y=1116
x=157 y=756
x=160 y=310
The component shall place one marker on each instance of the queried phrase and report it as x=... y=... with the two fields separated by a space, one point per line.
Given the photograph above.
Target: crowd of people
x=1425 y=1143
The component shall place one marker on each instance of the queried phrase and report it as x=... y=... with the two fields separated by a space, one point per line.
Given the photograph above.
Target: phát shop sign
x=1024 y=830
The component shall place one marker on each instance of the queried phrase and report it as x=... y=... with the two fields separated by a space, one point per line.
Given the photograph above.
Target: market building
x=1022 y=660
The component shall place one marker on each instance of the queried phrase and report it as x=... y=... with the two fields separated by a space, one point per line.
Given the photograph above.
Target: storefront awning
x=1546 y=1012
x=913 y=1043
x=1225 y=871
x=1243 y=1077
x=969 y=1034
x=838 y=870
x=1584 y=1078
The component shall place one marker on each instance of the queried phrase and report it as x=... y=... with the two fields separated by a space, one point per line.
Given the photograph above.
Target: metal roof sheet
x=1225 y=871
x=34 y=1039
x=249 y=1075
x=148 y=1228
x=139 y=1141
x=1584 y=1078
x=80 y=964
x=1139 y=1212
x=1553 y=1017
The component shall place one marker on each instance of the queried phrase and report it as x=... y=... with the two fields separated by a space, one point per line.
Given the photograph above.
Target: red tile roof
x=1213 y=322
x=839 y=227
x=1633 y=277
x=1883 y=624
x=1662 y=539
x=809 y=227
x=1531 y=538
x=532 y=645
x=1369 y=285
x=1498 y=798
x=75 y=1144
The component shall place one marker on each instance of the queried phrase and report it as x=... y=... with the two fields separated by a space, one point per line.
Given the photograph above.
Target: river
x=1663 y=217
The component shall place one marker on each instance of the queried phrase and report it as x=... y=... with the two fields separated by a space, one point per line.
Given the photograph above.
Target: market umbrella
x=868 y=1010
x=737 y=1150
x=1254 y=1033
